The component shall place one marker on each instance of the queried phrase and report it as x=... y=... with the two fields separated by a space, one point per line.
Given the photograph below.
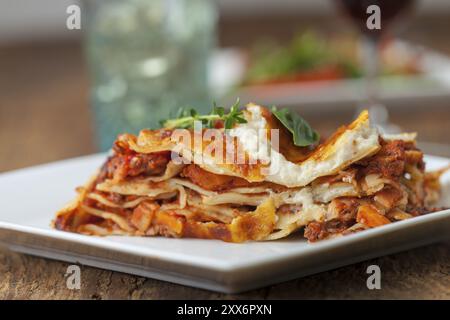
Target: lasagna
x=155 y=185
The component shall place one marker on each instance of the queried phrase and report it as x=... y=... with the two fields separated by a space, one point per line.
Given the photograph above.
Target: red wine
x=390 y=9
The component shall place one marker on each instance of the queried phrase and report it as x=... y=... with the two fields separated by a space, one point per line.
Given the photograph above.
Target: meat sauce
x=131 y=164
x=390 y=162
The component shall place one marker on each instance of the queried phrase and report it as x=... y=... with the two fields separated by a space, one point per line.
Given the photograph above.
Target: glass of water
x=146 y=58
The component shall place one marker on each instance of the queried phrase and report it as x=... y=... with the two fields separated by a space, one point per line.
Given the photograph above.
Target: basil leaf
x=301 y=131
x=229 y=122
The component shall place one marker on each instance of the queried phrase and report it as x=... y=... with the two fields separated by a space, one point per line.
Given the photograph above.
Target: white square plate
x=30 y=197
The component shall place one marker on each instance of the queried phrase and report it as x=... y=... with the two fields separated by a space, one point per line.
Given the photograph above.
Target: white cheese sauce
x=352 y=146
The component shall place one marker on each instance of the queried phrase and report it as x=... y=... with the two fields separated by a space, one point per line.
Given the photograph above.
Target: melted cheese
x=357 y=141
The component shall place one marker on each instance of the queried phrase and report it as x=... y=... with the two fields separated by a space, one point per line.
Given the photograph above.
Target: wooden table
x=44 y=116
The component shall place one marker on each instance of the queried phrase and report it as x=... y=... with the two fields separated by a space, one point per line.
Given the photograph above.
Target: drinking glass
x=146 y=59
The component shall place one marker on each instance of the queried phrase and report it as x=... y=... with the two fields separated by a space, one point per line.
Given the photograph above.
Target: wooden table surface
x=44 y=116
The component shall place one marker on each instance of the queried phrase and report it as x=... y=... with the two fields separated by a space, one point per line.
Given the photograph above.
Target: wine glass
x=363 y=14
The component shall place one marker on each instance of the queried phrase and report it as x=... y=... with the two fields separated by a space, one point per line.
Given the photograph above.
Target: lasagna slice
x=154 y=185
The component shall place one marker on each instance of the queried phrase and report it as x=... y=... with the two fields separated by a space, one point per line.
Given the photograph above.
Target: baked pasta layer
x=355 y=180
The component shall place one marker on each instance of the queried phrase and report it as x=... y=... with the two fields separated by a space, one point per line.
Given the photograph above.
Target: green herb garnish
x=301 y=131
x=187 y=116
x=303 y=134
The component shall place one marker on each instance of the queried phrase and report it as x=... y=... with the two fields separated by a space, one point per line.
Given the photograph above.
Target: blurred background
x=67 y=93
